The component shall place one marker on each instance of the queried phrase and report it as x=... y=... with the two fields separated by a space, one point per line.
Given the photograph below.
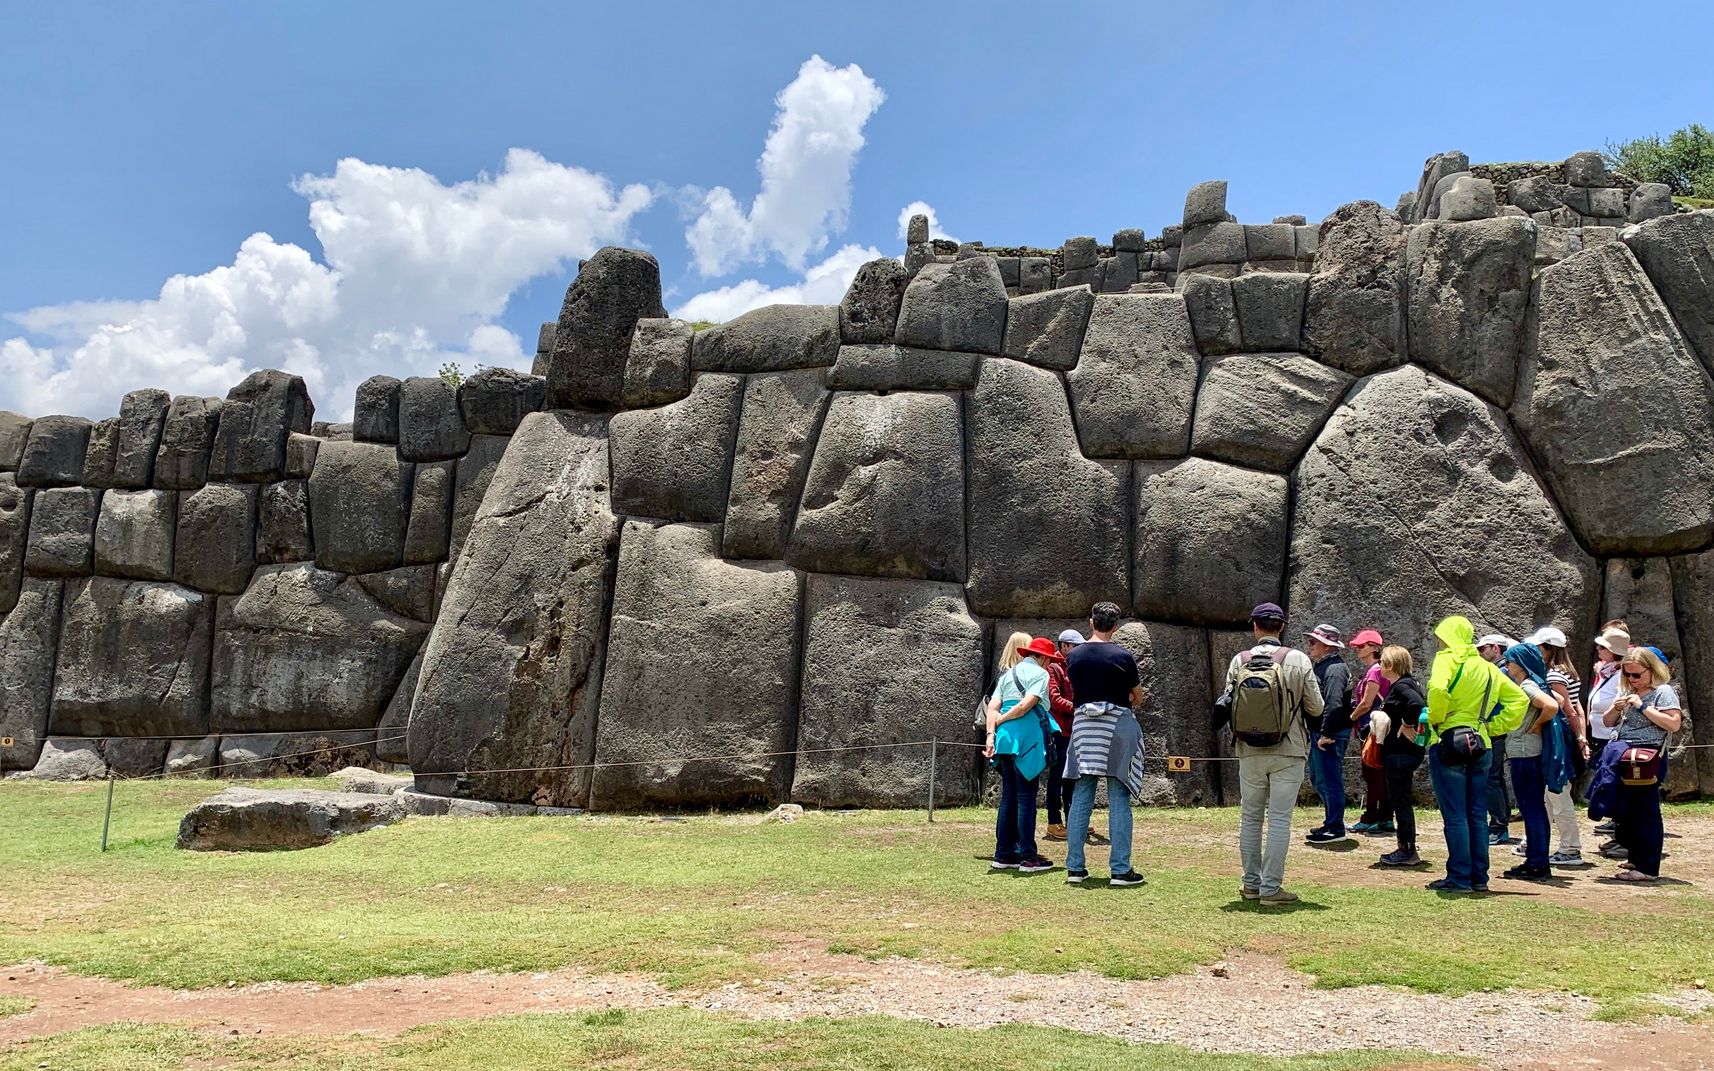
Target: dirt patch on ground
x=1250 y=1005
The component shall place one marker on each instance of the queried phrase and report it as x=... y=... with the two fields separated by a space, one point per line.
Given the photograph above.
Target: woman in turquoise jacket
x=1017 y=744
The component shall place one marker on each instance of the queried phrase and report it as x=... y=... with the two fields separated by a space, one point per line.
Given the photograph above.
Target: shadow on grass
x=1256 y=907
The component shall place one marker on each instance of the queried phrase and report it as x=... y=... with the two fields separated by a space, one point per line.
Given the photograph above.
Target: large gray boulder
x=1210 y=541
x=1618 y=408
x=613 y=290
x=885 y=366
x=301 y=451
x=961 y=307
x=304 y=648
x=214 y=547
x=99 y=454
x=781 y=417
x=657 y=366
x=427 y=531
x=375 y=416
x=29 y=637
x=1354 y=313
x=408 y=591
x=1134 y=387
x=1693 y=587
x=14 y=538
x=1263 y=409
x=133 y=660
x=674 y=462
x=474 y=472
x=258 y=414
x=1469 y=287
x=1435 y=170
x=1270 y=309
x=309 y=754
x=391 y=734
x=869 y=311
x=1638 y=591
x=495 y=400
x=1677 y=251
x=64 y=759
x=132 y=757
x=1172 y=664
x=1046 y=329
x=134 y=534
x=1416 y=502
x=187 y=436
x=1020 y=483
x=701 y=675
x=1213 y=312
x=885 y=494
x=14 y=432
x=62 y=531
x=282 y=523
x=857 y=634
x=768 y=339
x=512 y=670
x=259 y=820
x=142 y=415
x=54 y=451
x=430 y=426
x=1205 y=203
x=359 y=497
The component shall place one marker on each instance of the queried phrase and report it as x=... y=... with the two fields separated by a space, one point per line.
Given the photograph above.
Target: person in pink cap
x=1371 y=693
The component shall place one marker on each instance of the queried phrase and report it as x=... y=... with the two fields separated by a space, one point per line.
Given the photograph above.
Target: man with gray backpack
x=1270 y=695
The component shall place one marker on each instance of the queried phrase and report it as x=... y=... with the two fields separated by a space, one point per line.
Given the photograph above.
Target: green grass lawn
x=693 y=901
x=675 y=1039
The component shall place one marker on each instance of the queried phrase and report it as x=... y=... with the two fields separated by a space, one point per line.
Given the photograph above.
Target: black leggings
x=1059 y=787
x=1400 y=772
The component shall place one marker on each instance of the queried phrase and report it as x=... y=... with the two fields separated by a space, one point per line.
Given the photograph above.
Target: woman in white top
x=1613 y=644
x=1562 y=681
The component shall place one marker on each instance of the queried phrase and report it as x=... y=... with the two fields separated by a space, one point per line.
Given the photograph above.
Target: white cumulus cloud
x=922 y=208
x=413 y=272
x=806 y=168
x=823 y=284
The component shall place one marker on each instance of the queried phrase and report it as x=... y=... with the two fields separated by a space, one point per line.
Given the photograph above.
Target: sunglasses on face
x=1635 y=676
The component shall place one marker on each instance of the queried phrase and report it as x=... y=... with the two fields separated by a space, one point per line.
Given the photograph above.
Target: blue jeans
x=1529 y=785
x=1327 y=774
x=1015 y=827
x=1118 y=824
x=1462 y=792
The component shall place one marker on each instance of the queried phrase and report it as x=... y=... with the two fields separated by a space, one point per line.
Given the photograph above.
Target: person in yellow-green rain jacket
x=1470 y=700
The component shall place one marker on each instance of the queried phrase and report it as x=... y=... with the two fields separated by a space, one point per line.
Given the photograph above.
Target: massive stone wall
x=678 y=567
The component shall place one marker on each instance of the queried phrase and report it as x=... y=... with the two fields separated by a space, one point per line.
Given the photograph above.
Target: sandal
x=1627 y=865
x=1636 y=876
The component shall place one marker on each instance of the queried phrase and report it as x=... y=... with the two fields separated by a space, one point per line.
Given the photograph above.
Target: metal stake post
x=107 y=819
x=933 y=754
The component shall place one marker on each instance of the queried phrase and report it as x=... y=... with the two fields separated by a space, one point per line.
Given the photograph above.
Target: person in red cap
x=1372 y=689
x=1018 y=732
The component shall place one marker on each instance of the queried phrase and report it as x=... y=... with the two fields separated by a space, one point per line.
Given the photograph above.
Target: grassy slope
x=692 y=901
x=679 y=1040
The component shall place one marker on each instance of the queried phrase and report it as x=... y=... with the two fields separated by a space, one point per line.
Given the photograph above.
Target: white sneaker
x=1565 y=857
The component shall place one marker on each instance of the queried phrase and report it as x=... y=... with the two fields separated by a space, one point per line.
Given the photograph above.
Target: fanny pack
x=1640 y=766
x=1463 y=746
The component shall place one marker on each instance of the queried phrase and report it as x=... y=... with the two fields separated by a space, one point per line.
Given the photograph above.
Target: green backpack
x=1260 y=715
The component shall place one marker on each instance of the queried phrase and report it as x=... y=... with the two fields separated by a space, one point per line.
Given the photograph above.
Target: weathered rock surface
x=1354 y=314
x=426 y=533
x=65 y=759
x=282 y=523
x=256 y=820
x=375 y=416
x=130 y=757
x=1210 y=541
x=54 y=451
x=1603 y=368
x=511 y=673
x=193 y=758
x=1018 y=483
x=613 y=290
x=1046 y=329
x=768 y=339
x=62 y=531
x=701 y=661
x=1134 y=387
x=1213 y=312
x=1693 y=589
x=1270 y=309
x=14 y=432
x=372 y=782
x=675 y=462
x=858 y=633
x=430 y=426
x=1172 y=661
x=312 y=754
x=142 y=414
x=391 y=735
x=1469 y=287
x=781 y=418
x=474 y=471
x=884 y=366
x=885 y=494
x=962 y=307
x=214 y=548
x=359 y=497
x=657 y=366
x=29 y=636
x=870 y=309
x=408 y=591
x=181 y=461
x=1415 y=502
x=258 y=414
x=1638 y=591
x=14 y=538
x=301 y=452
x=134 y=534
x=1678 y=254
x=133 y=660
x=1263 y=409
x=495 y=400
x=306 y=649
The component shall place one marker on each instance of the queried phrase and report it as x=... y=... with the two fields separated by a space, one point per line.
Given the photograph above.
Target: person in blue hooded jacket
x=1523 y=663
x=1018 y=746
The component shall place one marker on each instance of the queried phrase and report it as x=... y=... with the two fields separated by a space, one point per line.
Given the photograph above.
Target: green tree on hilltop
x=1684 y=160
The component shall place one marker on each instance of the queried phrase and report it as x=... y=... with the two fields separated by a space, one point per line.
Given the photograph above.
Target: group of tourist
x=1499 y=722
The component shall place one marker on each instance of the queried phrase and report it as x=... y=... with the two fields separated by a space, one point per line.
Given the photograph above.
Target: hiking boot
x=1097 y=838
x=1076 y=877
x=1402 y=857
x=1326 y=836
x=1566 y=857
x=1038 y=865
x=1448 y=885
x=1385 y=827
x=1125 y=880
x=999 y=864
x=1278 y=898
x=1054 y=832
x=1247 y=893
x=1498 y=837
x=1607 y=828
x=1365 y=827
x=1528 y=873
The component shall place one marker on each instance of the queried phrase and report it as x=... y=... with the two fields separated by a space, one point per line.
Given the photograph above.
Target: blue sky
x=150 y=141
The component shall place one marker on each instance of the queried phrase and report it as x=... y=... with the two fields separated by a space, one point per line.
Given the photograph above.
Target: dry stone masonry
x=672 y=567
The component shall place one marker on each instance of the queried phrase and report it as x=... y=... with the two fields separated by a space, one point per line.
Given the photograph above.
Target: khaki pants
x=1267 y=786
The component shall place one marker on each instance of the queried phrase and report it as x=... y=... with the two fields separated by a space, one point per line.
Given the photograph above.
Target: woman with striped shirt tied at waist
x=1562 y=681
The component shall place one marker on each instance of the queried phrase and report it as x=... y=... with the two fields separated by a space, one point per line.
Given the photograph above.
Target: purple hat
x=1267 y=611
